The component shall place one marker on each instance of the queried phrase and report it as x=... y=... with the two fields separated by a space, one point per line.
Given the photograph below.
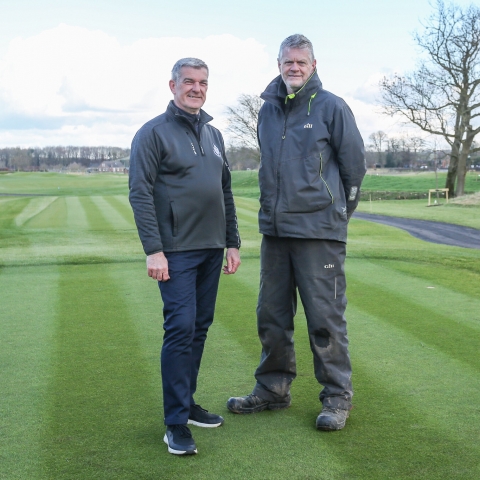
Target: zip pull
x=310 y=102
x=201 y=148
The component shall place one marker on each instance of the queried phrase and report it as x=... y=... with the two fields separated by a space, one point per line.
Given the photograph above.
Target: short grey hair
x=296 y=41
x=187 y=62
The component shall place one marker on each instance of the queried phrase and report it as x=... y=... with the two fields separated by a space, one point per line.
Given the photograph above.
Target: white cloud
x=70 y=85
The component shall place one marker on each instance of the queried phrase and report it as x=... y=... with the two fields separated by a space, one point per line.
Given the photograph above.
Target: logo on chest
x=308 y=125
x=216 y=151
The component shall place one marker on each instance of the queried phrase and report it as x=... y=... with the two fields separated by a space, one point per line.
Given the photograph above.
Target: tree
x=392 y=152
x=378 y=139
x=416 y=144
x=442 y=96
x=242 y=122
x=20 y=158
x=242 y=158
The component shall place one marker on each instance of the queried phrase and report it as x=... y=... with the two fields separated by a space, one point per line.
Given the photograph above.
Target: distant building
x=113 y=166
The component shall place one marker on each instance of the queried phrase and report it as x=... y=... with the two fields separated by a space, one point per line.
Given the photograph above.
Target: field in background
x=80 y=333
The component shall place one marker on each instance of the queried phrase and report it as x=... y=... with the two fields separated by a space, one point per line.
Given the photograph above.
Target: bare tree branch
x=242 y=122
x=441 y=96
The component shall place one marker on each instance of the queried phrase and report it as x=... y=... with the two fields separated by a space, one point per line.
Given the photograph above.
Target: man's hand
x=157 y=267
x=233 y=261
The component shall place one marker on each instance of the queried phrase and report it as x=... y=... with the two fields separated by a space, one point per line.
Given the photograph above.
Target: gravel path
x=435 y=232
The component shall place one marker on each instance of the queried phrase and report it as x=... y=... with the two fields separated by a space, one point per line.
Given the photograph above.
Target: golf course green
x=81 y=331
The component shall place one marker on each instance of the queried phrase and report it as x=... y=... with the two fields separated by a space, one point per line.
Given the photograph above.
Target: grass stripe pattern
x=81 y=332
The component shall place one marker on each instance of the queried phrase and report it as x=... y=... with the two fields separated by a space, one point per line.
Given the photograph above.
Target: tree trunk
x=452 y=169
x=462 y=164
x=461 y=172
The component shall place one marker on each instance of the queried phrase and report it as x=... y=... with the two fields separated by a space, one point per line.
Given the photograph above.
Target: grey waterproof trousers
x=316 y=268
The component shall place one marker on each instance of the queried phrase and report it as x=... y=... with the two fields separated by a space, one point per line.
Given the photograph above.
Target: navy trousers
x=188 y=308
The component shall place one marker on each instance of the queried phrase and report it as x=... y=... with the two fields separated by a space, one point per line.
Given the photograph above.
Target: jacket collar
x=172 y=109
x=276 y=91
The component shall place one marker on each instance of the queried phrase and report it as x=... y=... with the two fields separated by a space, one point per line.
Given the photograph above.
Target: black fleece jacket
x=180 y=185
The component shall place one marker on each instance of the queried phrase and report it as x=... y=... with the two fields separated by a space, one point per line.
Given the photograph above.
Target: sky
x=92 y=72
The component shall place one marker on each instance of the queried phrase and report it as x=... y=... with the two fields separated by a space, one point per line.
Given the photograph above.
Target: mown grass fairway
x=81 y=331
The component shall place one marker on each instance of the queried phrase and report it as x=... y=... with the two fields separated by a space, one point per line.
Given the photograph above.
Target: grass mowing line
x=122 y=208
x=122 y=205
x=407 y=405
x=33 y=208
x=427 y=323
x=247 y=210
x=246 y=221
x=52 y=242
x=405 y=455
x=288 y=438
x=26 y=328
x=226 y=369
x=96 y=219
x=266 y=438
x=64 y=184
x=102 y=417
x=144 y=303
x=76 y=215
x=248 y=214
x=248 y=203
x=54 y=216
x=387 y=436
x=114 y=218
x=123 y=199
x=373 y=425
x=9 y=232
x=460 y=281
x=462 y=308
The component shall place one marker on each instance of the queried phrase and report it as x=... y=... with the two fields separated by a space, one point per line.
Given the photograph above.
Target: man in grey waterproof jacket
x=180 y=192
x=312 y=166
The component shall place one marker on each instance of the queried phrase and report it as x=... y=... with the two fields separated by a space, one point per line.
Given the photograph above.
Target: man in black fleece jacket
x=180 y=192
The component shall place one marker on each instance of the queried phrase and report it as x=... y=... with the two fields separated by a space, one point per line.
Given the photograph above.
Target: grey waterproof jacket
x=180 y=185
x=312 y=162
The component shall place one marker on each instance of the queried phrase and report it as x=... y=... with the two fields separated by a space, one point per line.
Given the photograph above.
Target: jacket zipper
x=285 y=127
x=195 y=134
x=193 y=146
x=323 y=180
x=278 y=171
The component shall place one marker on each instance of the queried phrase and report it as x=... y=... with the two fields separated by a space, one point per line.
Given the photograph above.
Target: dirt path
x=435 y=232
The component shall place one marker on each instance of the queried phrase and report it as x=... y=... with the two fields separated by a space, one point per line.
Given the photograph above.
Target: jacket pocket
x=303 y=187
x=323 y=179
x=174 y=219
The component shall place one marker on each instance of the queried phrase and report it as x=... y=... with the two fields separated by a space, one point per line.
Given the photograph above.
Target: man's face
x=190 y=92
x=295 y=66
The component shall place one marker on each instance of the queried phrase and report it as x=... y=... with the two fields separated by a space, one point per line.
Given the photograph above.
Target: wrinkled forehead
x=196 y=74
x=295 y=54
